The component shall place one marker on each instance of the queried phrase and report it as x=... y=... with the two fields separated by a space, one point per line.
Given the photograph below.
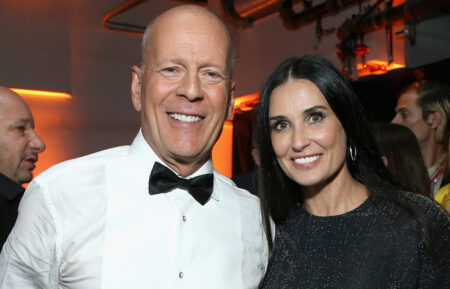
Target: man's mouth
x=185 y=118
x=32 y=159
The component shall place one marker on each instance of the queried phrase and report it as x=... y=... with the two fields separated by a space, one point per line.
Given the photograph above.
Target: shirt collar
x=9 y=189
x=144 y=157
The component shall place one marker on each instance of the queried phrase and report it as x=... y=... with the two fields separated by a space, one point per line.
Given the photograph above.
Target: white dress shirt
x=90 y=223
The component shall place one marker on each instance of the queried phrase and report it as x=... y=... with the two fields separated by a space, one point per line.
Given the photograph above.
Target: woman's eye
x=280 y=125
x=315 y=117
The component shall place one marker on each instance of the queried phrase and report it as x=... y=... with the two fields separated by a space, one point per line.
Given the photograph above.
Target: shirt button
x=184 y=218
x=181 y=275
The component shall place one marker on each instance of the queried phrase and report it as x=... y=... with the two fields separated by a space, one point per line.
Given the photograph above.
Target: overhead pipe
x=293 y=20
x=253 y=10
x=122 y=27
x=411 y=9
x=356 y=27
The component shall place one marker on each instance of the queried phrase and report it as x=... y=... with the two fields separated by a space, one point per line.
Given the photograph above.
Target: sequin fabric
x=361 y=249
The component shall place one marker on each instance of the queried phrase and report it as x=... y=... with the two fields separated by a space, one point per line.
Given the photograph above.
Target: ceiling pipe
x=131 y=28
x=293 y=20
x=253 y=10
x=411 y=9
x=122 y=27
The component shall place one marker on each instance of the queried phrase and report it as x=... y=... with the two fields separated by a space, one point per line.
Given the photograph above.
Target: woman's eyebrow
x=314 y=108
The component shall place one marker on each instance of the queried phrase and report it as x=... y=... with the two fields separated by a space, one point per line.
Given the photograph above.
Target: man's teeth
x=305 y=160
x=185 y=118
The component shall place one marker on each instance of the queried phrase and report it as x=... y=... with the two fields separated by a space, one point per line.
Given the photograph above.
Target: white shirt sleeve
x=29 y=256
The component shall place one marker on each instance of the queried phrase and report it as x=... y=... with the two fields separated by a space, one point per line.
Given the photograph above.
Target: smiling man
x=154 y=214
x=19 y=149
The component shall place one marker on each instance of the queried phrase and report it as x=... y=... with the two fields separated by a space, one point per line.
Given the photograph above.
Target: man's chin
x=24 y=178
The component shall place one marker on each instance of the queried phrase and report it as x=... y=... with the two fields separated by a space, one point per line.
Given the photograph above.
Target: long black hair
x=278 y=193
x=400 y=147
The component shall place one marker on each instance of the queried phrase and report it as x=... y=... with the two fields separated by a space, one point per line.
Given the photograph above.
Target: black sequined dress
x=360 y=249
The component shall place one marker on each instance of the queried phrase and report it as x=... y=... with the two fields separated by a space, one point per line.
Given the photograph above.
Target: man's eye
x=212 y=76
x=169 y=71
x=21 y=129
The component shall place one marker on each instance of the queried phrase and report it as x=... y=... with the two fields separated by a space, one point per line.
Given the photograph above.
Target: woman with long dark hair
x=340 y=220
x=400 y=152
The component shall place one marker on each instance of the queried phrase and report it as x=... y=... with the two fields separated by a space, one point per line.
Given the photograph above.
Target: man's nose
x=190 y=87
x=36 y=143
x=396 y=119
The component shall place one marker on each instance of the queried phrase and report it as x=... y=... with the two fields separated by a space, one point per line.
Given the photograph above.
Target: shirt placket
x=183 y=238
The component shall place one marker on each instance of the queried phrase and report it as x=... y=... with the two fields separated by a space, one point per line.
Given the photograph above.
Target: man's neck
x=432 y=154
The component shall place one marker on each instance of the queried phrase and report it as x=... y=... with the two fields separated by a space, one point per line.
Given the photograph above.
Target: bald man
x=154 y=214
x=19 y=149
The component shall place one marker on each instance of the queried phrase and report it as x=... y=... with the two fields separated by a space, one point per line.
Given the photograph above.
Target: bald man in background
x=19 y=149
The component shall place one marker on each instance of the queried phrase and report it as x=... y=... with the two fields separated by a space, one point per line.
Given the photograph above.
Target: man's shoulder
x=88 y=163
x=229 y=185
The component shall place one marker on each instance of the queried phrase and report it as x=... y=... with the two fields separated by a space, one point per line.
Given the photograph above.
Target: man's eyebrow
x=21 y=121
x=402 y=109
x=24 y=119
x=209 y=64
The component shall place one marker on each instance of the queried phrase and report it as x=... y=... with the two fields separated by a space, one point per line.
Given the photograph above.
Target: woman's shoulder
x=427 y=206
x=437 y=223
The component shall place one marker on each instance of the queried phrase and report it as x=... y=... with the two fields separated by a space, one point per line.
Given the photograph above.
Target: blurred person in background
x=19 y=149
x=424 y=108
x=443 y=195
x=249 y=181
x=401 y=154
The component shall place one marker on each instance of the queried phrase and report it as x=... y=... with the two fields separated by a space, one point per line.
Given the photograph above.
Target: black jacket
x=10 y=195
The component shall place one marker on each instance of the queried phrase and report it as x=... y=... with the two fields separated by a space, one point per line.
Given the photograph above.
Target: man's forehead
x=185 y=32
x=15 y=110
x=408 y=99
x=189 y=20
x=14 y=120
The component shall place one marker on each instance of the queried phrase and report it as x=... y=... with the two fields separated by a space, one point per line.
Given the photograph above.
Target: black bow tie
x=163 y=180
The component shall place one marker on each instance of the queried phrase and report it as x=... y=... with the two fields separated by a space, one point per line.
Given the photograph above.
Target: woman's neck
x=338 y=196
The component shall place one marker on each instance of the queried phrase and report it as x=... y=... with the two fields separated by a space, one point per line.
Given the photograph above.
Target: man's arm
x=29 y=256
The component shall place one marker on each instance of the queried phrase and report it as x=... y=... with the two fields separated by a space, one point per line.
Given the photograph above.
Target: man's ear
x=136 y=87
x=385 y=160
x=434 y=119
x=231 y=103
